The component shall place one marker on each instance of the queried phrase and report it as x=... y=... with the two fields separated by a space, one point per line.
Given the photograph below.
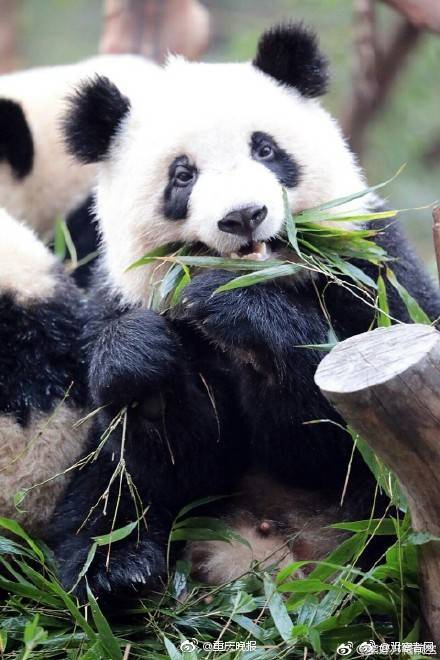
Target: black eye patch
x=266 y=151
x=181 y=179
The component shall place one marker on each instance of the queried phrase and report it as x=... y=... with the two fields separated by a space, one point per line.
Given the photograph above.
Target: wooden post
x=386 y=385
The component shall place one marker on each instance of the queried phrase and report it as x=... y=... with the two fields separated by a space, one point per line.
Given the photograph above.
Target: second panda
x=43 y=388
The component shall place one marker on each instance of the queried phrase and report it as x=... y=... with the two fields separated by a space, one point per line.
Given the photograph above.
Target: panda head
x=204 y=155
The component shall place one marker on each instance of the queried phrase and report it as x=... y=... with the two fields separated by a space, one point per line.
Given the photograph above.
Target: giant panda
x=219 y=386
x=39 y=181
x=43 y=389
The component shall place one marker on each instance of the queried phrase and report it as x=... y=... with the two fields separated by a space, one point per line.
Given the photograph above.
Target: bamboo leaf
x=383 y=318
x=107 y=638
x=278 y=610
x=116 y=534
x=261 y=276
x=290 y=224
x=362 y=193
x=415 y=312
x=15 y=528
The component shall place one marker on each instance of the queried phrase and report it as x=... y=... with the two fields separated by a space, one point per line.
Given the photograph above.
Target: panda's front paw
x=128 y=572
x=235 y=319
x=135 y=356
x=203 y=307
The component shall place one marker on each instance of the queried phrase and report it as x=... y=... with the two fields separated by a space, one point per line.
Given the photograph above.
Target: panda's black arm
x=270 y=330
x=262 y=324
x=185 y=450
x=132 y=352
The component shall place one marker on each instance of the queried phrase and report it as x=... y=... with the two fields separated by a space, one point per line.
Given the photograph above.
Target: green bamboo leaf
x=90 y=557
x=349 y=198
x=305 y=586
x=107 y=638
x=415 y=312
x=381 y=527
x=183 y=282
x=313 y=216
x=225 y=263
x=247 y=624
x=383 y=318
x=198 y=534
x=198 y=503
x=383 y=603
x=278 y=610
x=59 y=246
x=353 y=272
x=202 y=522
x=116 y=534
x=15 y=528
x=420 y=538
x=148 y=258
x=261 y=276
x=3 y=641
x=63 y=243
x=172 y=651
x=290 y=224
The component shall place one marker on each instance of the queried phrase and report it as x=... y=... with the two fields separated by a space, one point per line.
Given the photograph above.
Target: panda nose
x=242 y=222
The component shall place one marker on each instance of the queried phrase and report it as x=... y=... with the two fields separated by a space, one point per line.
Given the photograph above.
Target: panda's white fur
x=57 y=184
x=48 y=442
x=26 y=266
x=208 y=111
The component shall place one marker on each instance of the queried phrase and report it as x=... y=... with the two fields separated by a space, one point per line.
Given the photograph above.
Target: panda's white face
x=205 y=158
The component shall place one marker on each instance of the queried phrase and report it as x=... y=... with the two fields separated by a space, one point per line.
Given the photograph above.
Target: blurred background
x=384 y=54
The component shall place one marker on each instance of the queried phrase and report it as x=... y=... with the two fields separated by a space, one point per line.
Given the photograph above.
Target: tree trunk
x=8 y=35
x=155 y=27
x=386 y=385
x=423 y=14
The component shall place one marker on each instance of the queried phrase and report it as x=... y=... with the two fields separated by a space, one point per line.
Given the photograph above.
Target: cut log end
x=386 y=385
x=374 y=357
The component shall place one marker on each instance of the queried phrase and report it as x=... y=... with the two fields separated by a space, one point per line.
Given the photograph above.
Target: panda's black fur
x=221 y=384
x=41 y=352
x=16 y=143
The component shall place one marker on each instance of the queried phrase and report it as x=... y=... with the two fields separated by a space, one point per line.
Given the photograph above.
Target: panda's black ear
x=16 y=144
x=96 y=111
x=289 y=53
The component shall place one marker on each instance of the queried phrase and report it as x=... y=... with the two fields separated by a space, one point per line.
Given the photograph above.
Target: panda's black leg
x=121 y=568
x=158 y=459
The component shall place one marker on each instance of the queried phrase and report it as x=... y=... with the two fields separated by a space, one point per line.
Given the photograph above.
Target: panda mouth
x=253 y=251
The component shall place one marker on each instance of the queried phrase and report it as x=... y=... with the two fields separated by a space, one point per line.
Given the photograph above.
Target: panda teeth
x=259 y=251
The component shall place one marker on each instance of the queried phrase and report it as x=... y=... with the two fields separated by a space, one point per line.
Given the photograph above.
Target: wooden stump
x=386 y=385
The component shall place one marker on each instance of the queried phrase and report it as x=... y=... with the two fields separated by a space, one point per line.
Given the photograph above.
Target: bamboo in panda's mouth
x=254 y=251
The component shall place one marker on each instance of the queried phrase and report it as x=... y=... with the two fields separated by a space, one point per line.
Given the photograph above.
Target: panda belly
x=42 y=375
x=278 y=523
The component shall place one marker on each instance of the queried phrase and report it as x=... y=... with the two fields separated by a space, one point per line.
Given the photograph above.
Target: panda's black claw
x=130 y=572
